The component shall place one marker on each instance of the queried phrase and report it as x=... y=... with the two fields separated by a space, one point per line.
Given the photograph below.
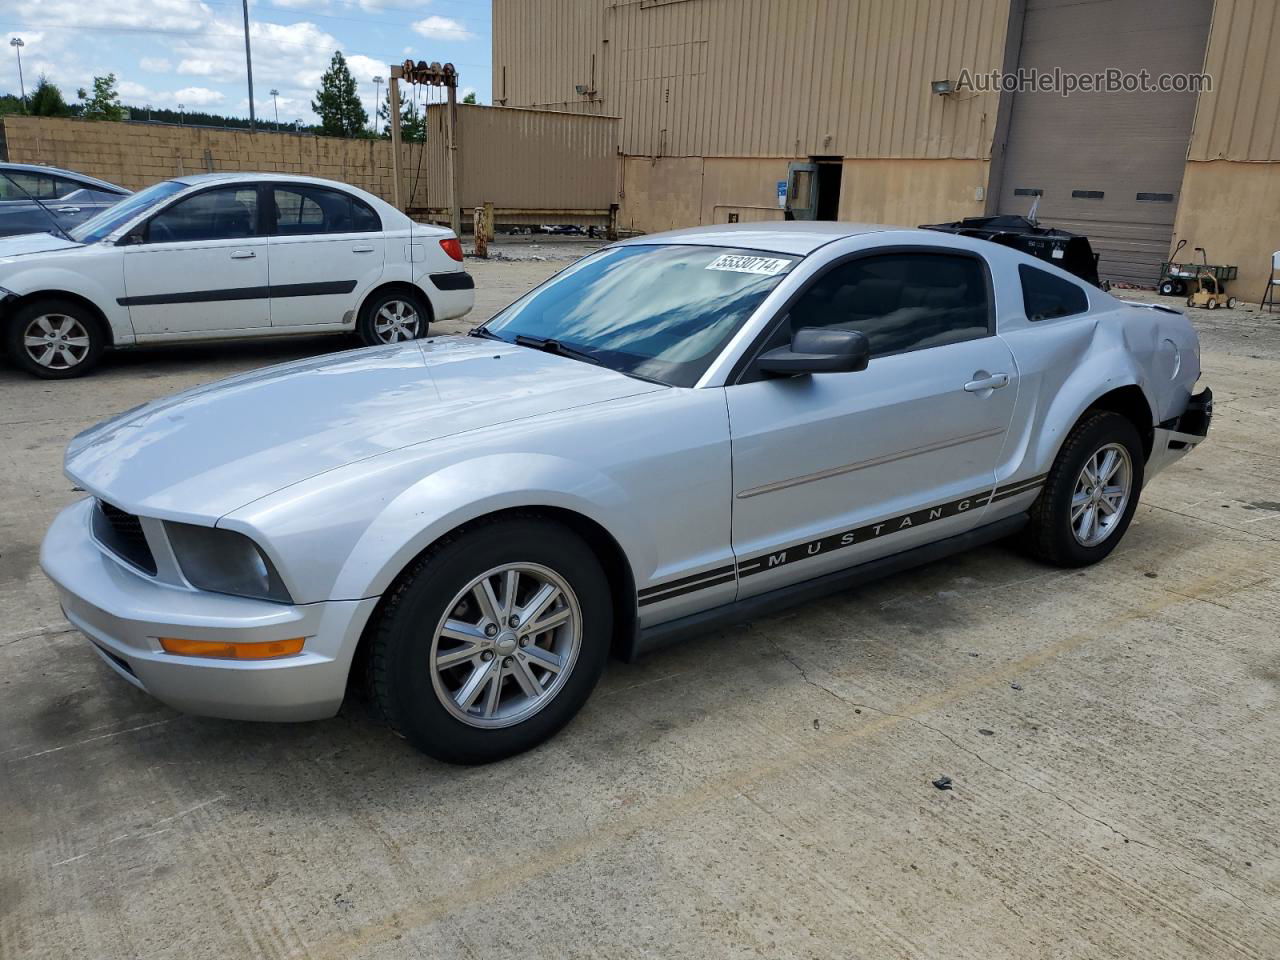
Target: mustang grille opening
x=121 y=533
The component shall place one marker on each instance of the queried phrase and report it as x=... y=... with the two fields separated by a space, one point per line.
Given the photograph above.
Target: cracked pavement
x=1111 y=735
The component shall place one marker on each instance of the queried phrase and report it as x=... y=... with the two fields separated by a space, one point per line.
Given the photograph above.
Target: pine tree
x=46 y=100
x=337 y=104
x=413 y=124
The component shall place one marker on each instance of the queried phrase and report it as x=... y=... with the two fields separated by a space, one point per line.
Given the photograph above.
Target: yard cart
x=1207 y=282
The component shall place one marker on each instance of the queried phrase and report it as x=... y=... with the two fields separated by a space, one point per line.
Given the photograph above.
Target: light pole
x=248 y=67
x=17 y=44
x=181 y=107
x=377 y=102
x=275 y=93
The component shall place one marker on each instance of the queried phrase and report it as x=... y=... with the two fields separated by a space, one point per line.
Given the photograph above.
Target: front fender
x=465 y=491
x=86 y=284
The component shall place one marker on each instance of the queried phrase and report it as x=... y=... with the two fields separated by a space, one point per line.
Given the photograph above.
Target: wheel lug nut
x=486 y=656
x=514 y=621
x=506 y=661
x=491 y=630
x=524 y=641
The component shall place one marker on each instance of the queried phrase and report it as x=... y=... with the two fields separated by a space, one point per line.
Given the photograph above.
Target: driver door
x=835 y=469
x=199 y=266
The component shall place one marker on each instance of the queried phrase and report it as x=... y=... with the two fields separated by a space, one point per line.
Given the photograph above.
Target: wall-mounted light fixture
x=943 y=87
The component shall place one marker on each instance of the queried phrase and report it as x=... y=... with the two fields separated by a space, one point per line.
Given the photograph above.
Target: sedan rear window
x=663 y=312
x=1046 y=297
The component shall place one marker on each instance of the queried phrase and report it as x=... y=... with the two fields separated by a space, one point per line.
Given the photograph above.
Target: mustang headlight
x=223 y=561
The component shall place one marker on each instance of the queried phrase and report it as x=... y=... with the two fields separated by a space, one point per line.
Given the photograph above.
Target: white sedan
x=223 y=256
x=674 y=433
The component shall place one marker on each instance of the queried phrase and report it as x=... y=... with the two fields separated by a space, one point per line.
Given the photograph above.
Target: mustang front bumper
x=123 y=612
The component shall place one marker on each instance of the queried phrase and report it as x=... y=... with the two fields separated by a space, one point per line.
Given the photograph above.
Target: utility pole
x=17 y=44
x=393 y=107
x=180 y=109
x=248 y=66
x=275 y=93
x=377 y=102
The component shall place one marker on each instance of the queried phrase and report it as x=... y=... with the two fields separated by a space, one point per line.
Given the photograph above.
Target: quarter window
x=900 y=301
x=227 y=213
x=306 y=211
x=1046 y=297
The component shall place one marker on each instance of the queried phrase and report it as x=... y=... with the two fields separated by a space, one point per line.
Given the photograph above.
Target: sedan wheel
x=397 y=320
x=506 y=645
x=54 y=339
x=1101 y=495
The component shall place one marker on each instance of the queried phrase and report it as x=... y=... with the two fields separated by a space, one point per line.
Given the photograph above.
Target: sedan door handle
x=362 y=249
x=68 y=209
x=993 y=382
x=249 y=255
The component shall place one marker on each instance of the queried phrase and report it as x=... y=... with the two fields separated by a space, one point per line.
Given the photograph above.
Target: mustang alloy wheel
x=492 y=640
x=506 y=645
x=392 y=318
x=1101 y=494
x=1090 y=493
x=54 y=339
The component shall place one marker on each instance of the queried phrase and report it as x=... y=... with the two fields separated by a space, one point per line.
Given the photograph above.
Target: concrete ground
x=1112 y=736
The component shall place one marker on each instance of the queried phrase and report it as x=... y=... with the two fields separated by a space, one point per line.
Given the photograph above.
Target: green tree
x=470 y=98
x=336 y=102
x=104 y=102
x=413 y=124
x=46 y=100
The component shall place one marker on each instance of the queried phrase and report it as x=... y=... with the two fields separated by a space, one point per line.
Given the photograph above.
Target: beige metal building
x=719 y=100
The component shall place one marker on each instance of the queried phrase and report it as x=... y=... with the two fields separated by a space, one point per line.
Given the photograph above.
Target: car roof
x=60 y=171
x=232 y=176
x=800 y=237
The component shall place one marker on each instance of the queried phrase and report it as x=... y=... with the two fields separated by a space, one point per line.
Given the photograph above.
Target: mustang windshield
x=662 y=312
x=95 y=228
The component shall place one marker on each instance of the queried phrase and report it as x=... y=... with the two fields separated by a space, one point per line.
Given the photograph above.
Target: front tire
x=1090 y=494
x=393 y=317
x=492 y=641
x=55 y=339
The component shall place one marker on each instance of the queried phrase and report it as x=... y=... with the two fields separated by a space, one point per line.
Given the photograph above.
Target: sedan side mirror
x=818 y=350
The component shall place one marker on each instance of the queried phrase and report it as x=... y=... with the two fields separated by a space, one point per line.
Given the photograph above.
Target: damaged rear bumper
x=1175 y=438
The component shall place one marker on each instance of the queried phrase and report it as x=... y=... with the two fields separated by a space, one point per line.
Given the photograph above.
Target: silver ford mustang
x=676 y=431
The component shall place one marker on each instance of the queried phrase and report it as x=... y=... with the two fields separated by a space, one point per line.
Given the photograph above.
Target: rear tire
x=394 y=316
x=1059 y=532
x=1168 y=288
x=454 y=670
x=55 y=339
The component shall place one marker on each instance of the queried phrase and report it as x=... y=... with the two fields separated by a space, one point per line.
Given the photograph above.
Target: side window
x=901 y=301
x=228 y=213
x=42 y=186
x=304 y=211
x=1046 y=297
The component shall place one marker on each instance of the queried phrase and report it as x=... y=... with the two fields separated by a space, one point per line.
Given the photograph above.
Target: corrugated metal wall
x=521 y=158
x=1240 y=118
x=779 y=78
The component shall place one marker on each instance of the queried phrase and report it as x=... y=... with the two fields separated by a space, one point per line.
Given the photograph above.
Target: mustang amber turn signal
x=453 y=247
x=232 y=651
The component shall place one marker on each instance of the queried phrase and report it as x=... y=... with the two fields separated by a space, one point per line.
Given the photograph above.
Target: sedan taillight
x=453 y=247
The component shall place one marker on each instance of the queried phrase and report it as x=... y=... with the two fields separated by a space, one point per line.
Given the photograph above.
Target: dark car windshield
x=105 y=223
x=663 y=312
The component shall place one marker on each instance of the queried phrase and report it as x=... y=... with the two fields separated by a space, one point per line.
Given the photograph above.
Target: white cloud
x=442 y=28
x=155 y=64
x=197 y=96
x=184 y=16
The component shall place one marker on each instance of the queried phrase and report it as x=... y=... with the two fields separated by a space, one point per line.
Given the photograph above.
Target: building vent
x=1155 y=198
x=1088 y=194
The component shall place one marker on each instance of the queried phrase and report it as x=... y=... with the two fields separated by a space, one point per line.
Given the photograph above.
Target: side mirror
x=818 y=350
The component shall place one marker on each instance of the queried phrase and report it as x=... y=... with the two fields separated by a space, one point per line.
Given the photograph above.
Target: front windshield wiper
x=480 y=331
x=555 y=346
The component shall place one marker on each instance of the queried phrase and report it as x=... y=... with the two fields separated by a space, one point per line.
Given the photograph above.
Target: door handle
x=68 y=209
x=362 y=249
x=243 y=255
x=993 y=382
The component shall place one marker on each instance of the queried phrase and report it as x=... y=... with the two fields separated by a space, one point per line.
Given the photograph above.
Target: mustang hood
x=203 y=453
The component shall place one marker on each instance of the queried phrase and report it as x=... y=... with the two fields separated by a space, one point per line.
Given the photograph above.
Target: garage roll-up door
x=1107 y=165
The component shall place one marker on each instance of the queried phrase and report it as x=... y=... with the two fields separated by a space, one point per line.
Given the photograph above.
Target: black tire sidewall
x=1052 y=516
x=364 y=325
x=17 y=322
x=402 y=674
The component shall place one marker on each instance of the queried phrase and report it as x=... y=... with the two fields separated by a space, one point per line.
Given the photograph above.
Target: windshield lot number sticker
x=736 y=263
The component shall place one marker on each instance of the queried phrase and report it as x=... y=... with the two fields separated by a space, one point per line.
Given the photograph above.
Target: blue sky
x=166 y=52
